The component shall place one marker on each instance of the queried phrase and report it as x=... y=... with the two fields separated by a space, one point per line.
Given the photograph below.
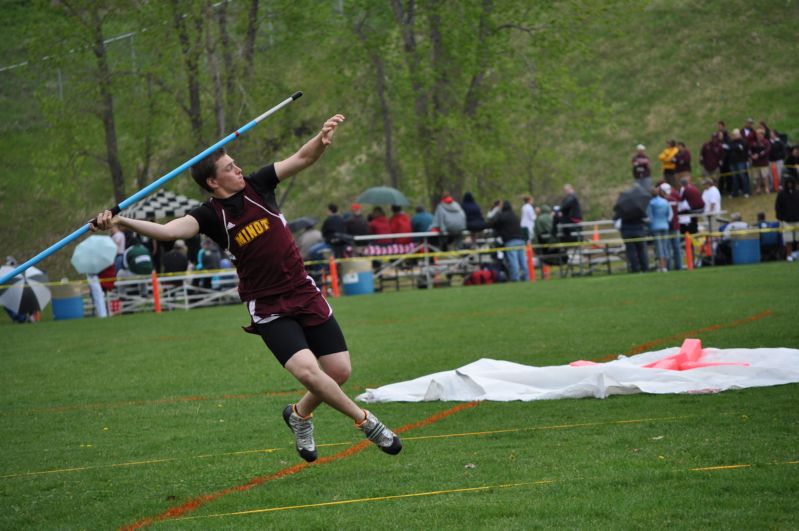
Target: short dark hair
x=332 y=207
x=396 y=208
x=206 y=169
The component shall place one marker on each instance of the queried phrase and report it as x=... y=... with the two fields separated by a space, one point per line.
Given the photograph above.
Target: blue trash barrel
x=67 y=302
x=746 y=251
x=357 y=277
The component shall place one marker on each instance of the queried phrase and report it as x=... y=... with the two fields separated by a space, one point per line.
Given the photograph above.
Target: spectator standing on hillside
x=760 y=150
x=378 y=224
x=642 y=170
x=421 y=220
x=570 y=212
x=507 y=227
x=357 y=225
x=777 y=154
x=711 y=157
x=786 y=208
x=334 y=231
x=660 y=214
x=739 y=159
x=528 y=217
x=450 y=220
x=666 y=158
x=400 y=223
x=748 y=131
x=682 y=162
x=725 y=177
x=691 y=195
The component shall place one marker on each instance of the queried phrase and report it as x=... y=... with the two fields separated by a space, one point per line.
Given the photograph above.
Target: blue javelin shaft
x=147 y=190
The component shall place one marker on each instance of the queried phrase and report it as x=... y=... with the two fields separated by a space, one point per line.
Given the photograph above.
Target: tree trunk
x=248 y=51
x=216 y=76
x=107 y=105
x=190 y=49
x=143 y=175
x=389 y=156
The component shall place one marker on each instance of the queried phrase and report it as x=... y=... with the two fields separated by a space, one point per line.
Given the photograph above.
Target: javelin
x=147 y=190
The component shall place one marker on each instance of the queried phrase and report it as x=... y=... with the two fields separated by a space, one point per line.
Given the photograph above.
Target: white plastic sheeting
x=488 y=379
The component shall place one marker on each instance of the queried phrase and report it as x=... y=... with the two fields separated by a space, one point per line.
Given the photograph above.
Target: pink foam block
x=582 y=363
x=688 y=365
x=692 y=348
x=669 y=363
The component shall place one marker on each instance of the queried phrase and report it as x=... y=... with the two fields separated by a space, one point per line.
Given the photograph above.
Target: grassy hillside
x=672 y=70
x=661 y=70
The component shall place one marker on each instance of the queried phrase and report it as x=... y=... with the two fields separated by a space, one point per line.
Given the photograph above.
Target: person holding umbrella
x=286 y=308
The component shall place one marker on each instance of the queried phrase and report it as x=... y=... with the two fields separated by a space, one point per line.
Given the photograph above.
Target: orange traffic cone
x=689 y=251
x=595 y=237
x=531 y=262
x=156 y=292
x=334 y=278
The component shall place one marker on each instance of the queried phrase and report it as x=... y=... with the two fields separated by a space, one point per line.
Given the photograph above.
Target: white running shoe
x=303 y=432
x=378 y=433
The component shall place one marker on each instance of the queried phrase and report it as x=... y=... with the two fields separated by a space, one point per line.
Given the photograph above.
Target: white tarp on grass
x=488 y=379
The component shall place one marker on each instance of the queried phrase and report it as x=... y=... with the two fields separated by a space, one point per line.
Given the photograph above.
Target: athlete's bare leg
x=322 y=379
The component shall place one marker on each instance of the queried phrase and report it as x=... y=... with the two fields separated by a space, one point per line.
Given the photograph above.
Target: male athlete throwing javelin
x=287 y=309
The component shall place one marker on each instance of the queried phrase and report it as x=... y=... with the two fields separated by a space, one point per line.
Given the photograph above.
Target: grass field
x=151 y=419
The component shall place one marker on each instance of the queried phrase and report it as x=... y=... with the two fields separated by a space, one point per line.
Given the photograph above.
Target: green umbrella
x=383 y=195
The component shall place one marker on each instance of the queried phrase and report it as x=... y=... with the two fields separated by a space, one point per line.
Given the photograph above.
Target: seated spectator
x=357 y=224
x=724 y=248
x=474 y=216
x=544 y=235
x=378 y=224
x=176 y=260
x=450 y=220
x=306 y=239
x=421 y=220
x=137 y=259
x=334 y=231
x=400 y=223
x=209 y=258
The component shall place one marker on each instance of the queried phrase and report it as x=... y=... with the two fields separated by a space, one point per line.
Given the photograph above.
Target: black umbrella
x=383 y=195
x=302 y=223
x=631 y=204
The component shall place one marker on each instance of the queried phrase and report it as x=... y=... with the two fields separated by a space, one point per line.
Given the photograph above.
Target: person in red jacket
x=711 y=157
x=696 y=205
x=761 y=172
x=378 y=224
x=400 y=223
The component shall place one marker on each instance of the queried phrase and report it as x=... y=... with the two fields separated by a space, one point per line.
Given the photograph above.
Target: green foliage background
x=561 y=92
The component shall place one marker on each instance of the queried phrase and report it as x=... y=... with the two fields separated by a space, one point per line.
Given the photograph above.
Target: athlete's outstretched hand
x=329 y=129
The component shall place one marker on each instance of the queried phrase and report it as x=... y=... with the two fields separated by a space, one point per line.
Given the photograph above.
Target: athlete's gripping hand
x=104 y=221
x=329 y=128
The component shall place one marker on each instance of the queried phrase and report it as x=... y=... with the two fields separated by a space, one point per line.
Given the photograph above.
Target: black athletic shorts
x=285 y=337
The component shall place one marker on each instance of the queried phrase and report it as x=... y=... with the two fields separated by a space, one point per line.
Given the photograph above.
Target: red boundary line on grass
x=644 y=347
x=196 y=503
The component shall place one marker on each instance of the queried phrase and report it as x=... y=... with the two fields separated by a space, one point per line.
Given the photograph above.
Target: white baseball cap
x=640 y=147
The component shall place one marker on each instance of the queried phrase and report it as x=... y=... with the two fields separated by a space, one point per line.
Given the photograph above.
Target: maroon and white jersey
x=250 y=226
